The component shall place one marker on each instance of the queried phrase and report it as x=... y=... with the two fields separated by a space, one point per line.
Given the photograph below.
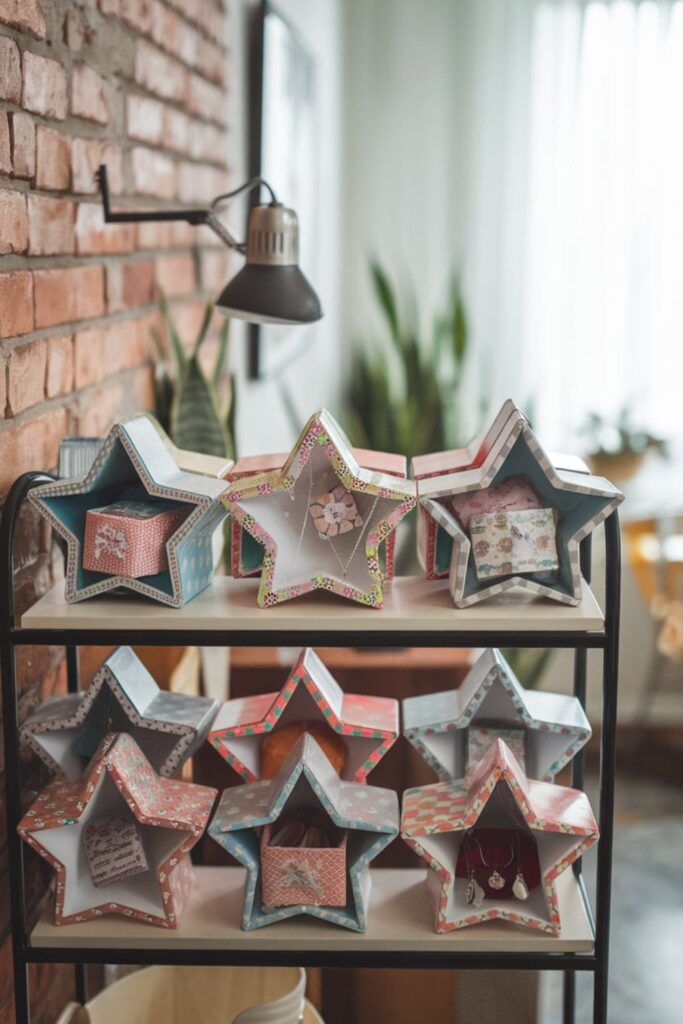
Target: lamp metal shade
x=270 y=288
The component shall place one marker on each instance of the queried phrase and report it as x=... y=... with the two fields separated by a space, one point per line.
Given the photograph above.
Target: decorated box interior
x=247 y=553
x=166 y=817
x=538 y=828
x=280 y=509
x=135 y=461
x=298 y=870
x=435 y=543
x=65 y=731
x=579 y=501
x=367 y=725
x=368 y=815
x=453 y=729
x=129 y=536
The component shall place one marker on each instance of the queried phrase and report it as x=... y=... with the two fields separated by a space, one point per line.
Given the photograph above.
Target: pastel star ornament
x=579 y=502
x=136 y=461
x=367 y=724
x=321 y=482
x=437 y=818
x=169 y=817
x=453 y=729
x=307 y=780
x=65 y=731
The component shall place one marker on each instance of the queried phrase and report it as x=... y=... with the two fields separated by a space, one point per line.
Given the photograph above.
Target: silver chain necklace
x=344 y=566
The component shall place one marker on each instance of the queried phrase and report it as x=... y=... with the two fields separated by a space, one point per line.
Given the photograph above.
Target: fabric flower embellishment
x=335 y=512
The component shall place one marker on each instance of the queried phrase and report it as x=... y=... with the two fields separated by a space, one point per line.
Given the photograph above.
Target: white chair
x=200 y=995
x=288 y=1009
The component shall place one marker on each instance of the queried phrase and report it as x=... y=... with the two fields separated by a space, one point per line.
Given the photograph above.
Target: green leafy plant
x=188 y=400
x=403 y=391
x=528 y=663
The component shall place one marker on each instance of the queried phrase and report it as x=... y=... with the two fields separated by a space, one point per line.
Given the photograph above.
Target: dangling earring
x=520 y=890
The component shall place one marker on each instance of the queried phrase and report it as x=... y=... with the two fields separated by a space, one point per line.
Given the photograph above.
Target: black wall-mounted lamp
x=270 y=288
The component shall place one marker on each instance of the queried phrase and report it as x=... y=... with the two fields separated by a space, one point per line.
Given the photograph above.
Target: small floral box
x=309 y=876
x=129 y=538
x=513 y=542
x=113 y=849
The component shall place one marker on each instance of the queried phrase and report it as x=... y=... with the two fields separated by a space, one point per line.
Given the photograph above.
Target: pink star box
x=368 y=725
x=497 y=795
x=168 y=816
x=128 y=538
x=247 y=554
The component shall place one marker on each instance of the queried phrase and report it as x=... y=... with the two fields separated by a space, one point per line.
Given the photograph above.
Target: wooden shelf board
x=412 y=604
x=400 y=920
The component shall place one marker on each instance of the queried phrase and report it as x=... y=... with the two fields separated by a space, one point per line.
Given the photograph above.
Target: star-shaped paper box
x=135 y=464
x=435 y=544
x=247 y=553
x=307 y=780
x=167 y=816
x=436 y=819
x=578 y=501
x=453 y=729
x=368 y=725
x=321 y=518
x=66 y=731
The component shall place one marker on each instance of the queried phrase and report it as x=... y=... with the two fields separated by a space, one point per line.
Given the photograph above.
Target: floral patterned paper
x=560 y=819
x=188 y=550
x=513 y=542
x=335 y=512
x=580 y=501
x=368 y=813
x=555 y=725
x=356 y=717
x=153 y=801
x=135 y=696
x=324 y=433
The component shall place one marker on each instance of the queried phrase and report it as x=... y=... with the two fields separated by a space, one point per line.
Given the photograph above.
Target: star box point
x=136 y=460
x=65 y=731
x=367 y=814
x=321 y=518
x=368 y=725
x=437 y=818
x=168 y=815
x=580 y=502
x=453 y=729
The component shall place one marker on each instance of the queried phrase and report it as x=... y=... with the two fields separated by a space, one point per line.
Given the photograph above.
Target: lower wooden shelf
x=400 y=921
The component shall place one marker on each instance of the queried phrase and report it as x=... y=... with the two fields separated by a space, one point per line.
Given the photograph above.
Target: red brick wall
x=138 y=85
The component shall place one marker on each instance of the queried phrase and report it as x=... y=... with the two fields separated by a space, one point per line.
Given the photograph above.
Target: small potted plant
x=617 y=447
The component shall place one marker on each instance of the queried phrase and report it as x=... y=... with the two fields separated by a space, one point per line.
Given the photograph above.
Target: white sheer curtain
x=603 y=258
x=541 y=152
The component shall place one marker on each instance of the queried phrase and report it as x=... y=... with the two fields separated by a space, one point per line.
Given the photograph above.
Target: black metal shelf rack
x=606 y=640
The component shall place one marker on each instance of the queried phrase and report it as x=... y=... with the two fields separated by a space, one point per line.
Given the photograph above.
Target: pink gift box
x=514 y=493
x=114 y=850
x=254 y=465
x=128 y=538
x=292 y=876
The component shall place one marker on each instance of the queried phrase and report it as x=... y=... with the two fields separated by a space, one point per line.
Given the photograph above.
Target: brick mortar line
x=71 y=127
x=18 y=262
x=106 y=320
x=57 y=49
x=127 y=82
x=48 y=405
